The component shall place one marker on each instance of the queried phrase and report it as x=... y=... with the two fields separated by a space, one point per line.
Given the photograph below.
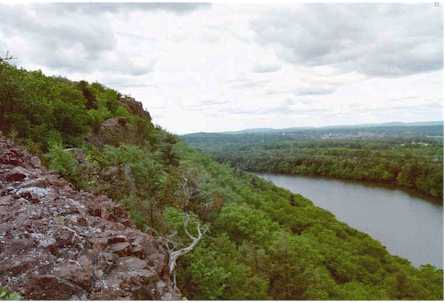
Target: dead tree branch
x=170 y=244
x=175 y=254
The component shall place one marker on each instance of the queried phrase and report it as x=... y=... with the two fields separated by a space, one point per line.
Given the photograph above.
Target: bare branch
x=6 y=58
x=185 y=192
x=175 y=254
x=186 y=222
x=178 y=253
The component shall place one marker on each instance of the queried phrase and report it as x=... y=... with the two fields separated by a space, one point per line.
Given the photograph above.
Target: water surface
x=408 y=226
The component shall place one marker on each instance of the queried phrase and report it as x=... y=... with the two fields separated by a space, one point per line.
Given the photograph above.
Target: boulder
x=32 y=194
x=119 y=130
x=117 y=239
x=17 y=174
x=51 y=287
x=11 y=156
x=121 y=249
x=115 y=131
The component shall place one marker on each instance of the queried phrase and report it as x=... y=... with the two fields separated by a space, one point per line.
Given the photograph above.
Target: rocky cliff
x=60 y=243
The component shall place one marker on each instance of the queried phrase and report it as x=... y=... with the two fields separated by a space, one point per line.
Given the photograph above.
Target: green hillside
x=262 y=242
x=408 y=156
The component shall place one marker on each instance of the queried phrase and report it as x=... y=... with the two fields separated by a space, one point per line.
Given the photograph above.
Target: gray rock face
x=58 y=243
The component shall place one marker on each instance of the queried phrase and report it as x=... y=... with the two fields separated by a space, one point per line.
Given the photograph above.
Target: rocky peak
x=134 y=107
x=59 y=243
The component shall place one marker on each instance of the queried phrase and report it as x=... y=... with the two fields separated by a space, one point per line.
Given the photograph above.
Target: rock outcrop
x=114 y=131
x=59 y=243
x=134 y=107
x=121 y=130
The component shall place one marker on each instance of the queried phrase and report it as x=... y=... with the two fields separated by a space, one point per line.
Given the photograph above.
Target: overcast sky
x=202 y=67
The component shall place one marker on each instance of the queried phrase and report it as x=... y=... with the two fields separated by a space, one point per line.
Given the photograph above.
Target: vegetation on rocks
x=260 y=241
x=61 y=243
x=8 y=295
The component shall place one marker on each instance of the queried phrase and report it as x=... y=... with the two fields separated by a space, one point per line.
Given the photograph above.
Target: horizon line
x=313 y=127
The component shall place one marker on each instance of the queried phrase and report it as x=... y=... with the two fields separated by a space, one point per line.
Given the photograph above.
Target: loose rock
x=57 y=243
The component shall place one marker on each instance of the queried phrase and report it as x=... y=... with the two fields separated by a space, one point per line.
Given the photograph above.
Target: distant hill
x=408 y=155
x=278 y=130
x=432 y=129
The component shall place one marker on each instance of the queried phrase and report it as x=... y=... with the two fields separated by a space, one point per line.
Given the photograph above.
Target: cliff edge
x=59 y=243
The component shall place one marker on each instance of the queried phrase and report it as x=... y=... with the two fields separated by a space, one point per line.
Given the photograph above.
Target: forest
x=408 y=157
x=259 y=241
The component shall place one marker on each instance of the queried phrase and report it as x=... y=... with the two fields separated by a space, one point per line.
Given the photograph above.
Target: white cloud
x=266 y=68
x=373 y=39
x=218 y=67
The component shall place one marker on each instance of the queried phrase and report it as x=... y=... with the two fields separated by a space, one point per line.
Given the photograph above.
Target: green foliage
x=33 y=105
x=133 y=175
x=356 y=291
x=121 y=112
x=9 y=295
x=216 y=271
x=174 y=219
x=263 y=242
x=144 y=168
x=292 y=263
x=244 y=223
x=63 y=162
x=88 y=95
x=70 y=120
x=411 y=163
x=97 y=116
x=291 y=252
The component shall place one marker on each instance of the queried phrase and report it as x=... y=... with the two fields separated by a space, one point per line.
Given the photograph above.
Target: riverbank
x=414 y=162
x=387 y=185
x=408 y=226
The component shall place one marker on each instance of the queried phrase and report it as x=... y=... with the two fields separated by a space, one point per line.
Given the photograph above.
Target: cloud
x=290 y=106
x=282 y=110
x=266 y=68
x=376 y=40
x=102 y=8
x=206 y=105
x=120 y=81
x=95 y=9
x=89 y=34
x=247 y=83
x=305 y=90
x=315 y=90
x=195 y=67
x=74 y=43
x=399 y=107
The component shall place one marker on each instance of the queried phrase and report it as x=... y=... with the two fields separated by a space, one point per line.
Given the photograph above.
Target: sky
x=214 y=67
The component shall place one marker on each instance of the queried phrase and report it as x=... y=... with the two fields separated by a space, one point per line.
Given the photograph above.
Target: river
x=408 y=226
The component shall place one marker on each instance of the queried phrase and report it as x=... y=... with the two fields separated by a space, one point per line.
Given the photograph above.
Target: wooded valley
x=259 y=241
x=409 y=157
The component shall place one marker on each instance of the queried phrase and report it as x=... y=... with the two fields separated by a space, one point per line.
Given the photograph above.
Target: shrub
x=63 y=162
x=9 y=295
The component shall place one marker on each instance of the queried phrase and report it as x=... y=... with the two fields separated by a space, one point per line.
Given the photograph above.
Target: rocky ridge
x=59 y=243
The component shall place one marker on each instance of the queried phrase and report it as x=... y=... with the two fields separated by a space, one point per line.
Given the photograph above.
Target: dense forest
x=409 y=157
x=259 y=241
